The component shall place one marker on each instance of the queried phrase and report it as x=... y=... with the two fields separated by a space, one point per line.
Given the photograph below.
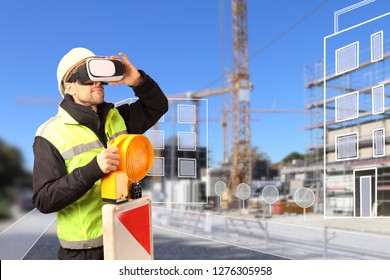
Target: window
x=186 y=114
x=156 y=138
x=377 y=46
x=378 y=100
x=347 y=58
x=186 y=141
x=347 y=106
x=186 y=168
x=347 y=146
x=378 y=142
x=157 y=167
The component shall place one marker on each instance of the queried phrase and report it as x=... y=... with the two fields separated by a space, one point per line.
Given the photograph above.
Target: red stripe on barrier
x=137 y=222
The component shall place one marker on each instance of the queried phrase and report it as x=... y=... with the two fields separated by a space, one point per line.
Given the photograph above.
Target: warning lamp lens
x=136 y=155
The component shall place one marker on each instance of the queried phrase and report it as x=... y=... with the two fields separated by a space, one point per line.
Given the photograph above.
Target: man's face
x=90 y=95
x=87 y=95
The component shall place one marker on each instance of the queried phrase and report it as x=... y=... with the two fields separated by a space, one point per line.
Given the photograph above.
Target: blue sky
x=181 y=44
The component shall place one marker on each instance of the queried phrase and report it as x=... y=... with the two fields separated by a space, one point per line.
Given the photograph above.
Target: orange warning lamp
x=135 y=161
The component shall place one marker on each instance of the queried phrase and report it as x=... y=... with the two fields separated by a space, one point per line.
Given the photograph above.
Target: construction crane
x=241 y=157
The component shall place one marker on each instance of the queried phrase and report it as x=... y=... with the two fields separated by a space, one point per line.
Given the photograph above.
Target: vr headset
x=97 y=69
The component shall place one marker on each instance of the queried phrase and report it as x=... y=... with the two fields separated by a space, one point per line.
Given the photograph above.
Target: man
x=72 y=153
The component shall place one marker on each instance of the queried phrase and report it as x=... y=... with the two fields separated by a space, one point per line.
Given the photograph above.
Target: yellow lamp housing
x=135 y=161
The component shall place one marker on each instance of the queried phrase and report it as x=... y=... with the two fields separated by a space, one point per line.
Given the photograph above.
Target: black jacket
x=53 y=187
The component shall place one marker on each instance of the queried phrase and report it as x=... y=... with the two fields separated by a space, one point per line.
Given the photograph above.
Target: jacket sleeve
x=53 y=187
x=147 y=110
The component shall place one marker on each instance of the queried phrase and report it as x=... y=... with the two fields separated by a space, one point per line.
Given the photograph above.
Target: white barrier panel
x=127 y=230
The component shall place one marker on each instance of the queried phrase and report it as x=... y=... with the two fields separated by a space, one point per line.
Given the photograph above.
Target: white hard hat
x=68 y=61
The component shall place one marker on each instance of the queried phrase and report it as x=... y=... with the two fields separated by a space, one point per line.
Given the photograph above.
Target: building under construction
x=347 y=101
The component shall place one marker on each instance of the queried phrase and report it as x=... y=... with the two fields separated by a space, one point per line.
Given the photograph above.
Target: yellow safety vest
x=80 y=224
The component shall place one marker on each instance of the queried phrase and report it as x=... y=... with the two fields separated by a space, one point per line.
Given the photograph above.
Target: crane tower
x=241 y=87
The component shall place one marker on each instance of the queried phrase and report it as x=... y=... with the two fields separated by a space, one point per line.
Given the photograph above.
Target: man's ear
x=70 y=88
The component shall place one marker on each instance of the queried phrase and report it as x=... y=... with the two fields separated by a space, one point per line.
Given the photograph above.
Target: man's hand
x=132 y=77
x=108 y=159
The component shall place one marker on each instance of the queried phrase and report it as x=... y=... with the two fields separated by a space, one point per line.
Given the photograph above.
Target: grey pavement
x=291 y=236
x=18 y=238
x=168 y=245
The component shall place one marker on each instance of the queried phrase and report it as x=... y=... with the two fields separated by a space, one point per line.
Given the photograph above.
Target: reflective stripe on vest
x=85 y=244
x=80 y=224
x=115 y=135
x=82 y=148
x=76 y=150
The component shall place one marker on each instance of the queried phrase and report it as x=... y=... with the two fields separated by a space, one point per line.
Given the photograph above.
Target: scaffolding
x=313 y=160
x=322 y=92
